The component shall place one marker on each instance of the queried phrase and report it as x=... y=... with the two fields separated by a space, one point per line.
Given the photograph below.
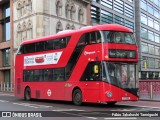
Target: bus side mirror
x=96 y=69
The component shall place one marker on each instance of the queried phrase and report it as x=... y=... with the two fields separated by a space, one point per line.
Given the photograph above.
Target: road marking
x=68 y=110
x=35 y=105
x=92 y=118
x=121 y=118
x=139 y=106
x=4 y=101
x=21 y=104
x=6 y=94
x=76 y=115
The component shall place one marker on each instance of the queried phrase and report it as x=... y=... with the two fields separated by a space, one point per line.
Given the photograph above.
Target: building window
x=95 y=14
x=19 y=34
x=19 y=9
x=67 y=26
x=5 y=22
x=129 y=11
x=156 y=13
x=24 y=31
x=59 y=27
x=151 y=62
x=157 y=50
x=6 y=57
x=144 y=19
x=7 y=76
x=156 y=25
x=150 y=36
x=59 y=8
x=157 y=38
x=150 y=9
x=151 y=49
x=129 y=24
x=73 y=11
x=144 y=33
x=29 y=30
x=150 y=22
x=67 y=10
x=118 y=6
x=119 y=20
x=29 y=5
x=106 y=17
x=80 y=14
x=144 y=47
x=143 y=5
x=73 y=27
x=107 y=3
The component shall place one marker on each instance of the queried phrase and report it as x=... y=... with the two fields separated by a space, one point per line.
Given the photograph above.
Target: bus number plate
x=125 y=98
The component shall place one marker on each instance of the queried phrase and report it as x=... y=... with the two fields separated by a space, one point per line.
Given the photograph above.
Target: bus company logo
x=39 y=59
x=89 y=53
x=29 y=60
x=49 y=92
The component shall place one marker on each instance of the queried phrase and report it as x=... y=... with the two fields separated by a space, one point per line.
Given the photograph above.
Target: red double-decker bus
x=94 y=64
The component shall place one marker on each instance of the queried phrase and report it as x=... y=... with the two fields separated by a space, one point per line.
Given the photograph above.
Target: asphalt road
x=12 y=108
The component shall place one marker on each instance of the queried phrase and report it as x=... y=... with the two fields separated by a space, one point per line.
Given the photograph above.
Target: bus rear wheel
x=27 y=94
x=77 y=97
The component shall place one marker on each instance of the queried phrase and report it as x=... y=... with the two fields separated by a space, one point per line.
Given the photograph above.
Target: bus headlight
x=109 y=94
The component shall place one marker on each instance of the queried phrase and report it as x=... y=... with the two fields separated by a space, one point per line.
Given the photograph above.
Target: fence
x=149 y=89
x=6 y=86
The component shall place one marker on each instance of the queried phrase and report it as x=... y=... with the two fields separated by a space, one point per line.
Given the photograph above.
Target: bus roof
x=111 y=27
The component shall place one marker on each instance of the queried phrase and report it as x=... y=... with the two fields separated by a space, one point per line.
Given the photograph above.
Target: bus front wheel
x=77 y=97
x=27 y=94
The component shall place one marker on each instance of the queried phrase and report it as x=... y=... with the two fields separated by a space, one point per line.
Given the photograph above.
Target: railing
x=6 y=86
x=149 y=89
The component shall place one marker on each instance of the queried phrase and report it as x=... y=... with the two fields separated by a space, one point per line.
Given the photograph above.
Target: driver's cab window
x=118 y=37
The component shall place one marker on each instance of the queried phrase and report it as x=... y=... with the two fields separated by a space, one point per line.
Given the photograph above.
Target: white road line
x=76 y=114
x=36 y=105
x=4 y=101
x=121 y=118
x=25 y=105
x=6 y=94
x=92 y=118
x=139 y=106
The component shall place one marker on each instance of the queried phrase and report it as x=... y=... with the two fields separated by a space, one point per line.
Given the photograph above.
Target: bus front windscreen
x=122 y=75
x=118 y=37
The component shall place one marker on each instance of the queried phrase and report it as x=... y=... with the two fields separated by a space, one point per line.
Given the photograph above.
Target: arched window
x=67 y=10
x=68 y=26
x=73 y=27
x=19 y=9
x=59 y=8
x=73 y=11
x=80 y=14
x=59 y=27
x=24 y=32
x=24 y=7
x=29 y=30
x=19 y=33
x=29 y=6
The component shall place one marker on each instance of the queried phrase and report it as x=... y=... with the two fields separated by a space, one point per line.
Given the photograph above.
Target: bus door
x=91 y=83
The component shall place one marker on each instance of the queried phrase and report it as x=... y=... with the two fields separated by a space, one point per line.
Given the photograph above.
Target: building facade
x=37 y=18
x=143 y=17
x=148 y=36
x=6 y=42
x=113 y=11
